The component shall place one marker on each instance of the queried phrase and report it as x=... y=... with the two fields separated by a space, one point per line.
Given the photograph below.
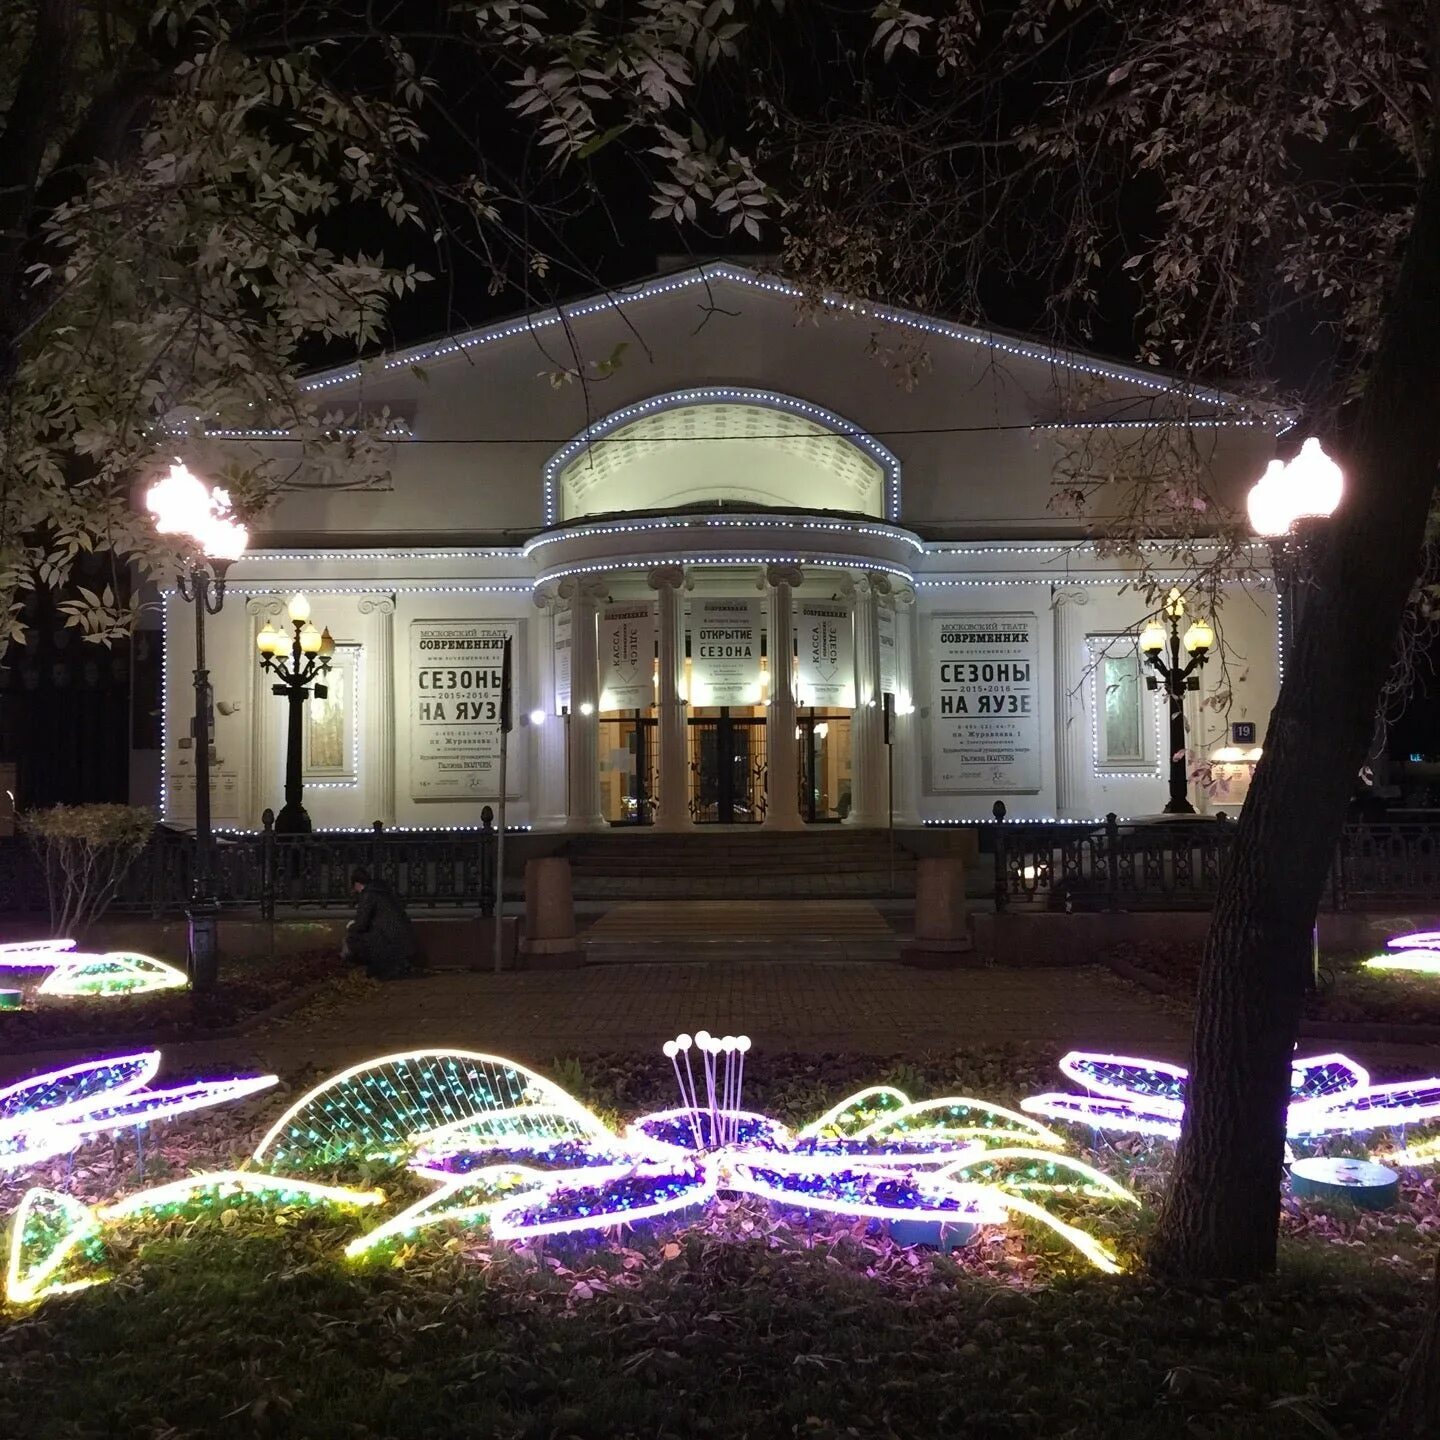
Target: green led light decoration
x=377 y=1109
x=117 y=973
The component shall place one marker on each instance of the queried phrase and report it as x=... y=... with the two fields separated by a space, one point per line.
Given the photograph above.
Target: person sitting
x=380 y=937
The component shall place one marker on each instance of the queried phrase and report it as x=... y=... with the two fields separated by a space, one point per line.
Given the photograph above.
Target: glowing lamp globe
x=327 y=642
x=269 y=641
x=311 y=640
x=181 y=504
x=1152 y=638
x=299 y=608
x=1309 y=487
x=1200 y=636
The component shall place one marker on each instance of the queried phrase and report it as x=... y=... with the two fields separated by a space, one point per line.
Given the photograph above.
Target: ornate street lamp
x=310 y=651
x=1178 y=678
x=1286 y=504
x=185 y=506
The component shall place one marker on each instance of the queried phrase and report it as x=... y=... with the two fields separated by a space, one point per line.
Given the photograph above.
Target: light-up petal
x=862 y=1193
x=918 y=1150
x=44 y=1233
x=603 y=1200
x=143 y=1106
x=466 y=1200
x=448 y=1161
x=1087 y=1245
x=679 y=1131
x=381 y=1107
x=1373 y=1108
x=115 y=973
x=961 y=1118
x=1104 y=1112
x=59 y=1095
x=1028 y=1170
x=1419 y=961
x=1317 y=1076
x=1416 y=940
x=221 y=1185
x=857 y=1111
x=1127 y=1078
x=34 y=954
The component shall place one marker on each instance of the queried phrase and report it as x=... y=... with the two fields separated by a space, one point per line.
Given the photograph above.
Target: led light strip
x=710 y=522
x=704 y=560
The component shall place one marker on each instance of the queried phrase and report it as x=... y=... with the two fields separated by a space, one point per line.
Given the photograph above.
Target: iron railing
x=1110 y=865
x=265 y=871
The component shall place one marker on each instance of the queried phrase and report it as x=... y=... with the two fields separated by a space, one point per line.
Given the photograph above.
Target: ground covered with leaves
x=1348 y=993
x=747 y=1322
x=248 y=986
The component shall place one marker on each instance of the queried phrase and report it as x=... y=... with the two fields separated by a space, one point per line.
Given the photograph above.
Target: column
x=583 y=784
x=548 y=745
x=1074 y=733
x=782 y=800
x=673 y=811
x=906 y=737
x=379 y=673
x=264 y=753
x=868 y=779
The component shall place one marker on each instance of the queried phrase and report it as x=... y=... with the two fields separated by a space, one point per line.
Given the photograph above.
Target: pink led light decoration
x=34 y=954
x=1417 y=953
x=1330 y=1095
x=51 y=1114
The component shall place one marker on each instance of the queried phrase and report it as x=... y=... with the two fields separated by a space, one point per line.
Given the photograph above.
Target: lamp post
x=310 y=651
x=183 y=505
x=1178 y=677
x=1286 y=505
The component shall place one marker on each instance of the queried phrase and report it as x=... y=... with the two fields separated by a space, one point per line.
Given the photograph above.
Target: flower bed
x=247 y=987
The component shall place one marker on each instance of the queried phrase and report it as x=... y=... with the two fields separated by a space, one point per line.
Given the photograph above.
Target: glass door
x=627 y=770
x=824 y=768
x=727 y=770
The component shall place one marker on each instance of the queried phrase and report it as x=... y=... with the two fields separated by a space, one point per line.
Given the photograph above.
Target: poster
x=725 y=652
x=824 y=657
x=455 y=676
x=627 y=656
x=984 y=708
x=889 y=667
x=564 y=633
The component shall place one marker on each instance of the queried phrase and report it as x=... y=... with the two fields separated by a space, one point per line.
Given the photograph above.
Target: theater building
x=749 y=577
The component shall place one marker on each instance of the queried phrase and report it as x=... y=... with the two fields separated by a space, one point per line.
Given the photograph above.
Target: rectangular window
x=331 y=734
x=1123 y=712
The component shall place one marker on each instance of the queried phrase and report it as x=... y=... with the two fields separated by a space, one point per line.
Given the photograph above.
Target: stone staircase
x=781 y=930
x=739 y=863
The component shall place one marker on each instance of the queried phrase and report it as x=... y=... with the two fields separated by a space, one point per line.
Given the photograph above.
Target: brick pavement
x=807 y=1007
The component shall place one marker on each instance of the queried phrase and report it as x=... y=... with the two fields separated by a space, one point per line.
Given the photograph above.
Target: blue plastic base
x=943 y=1235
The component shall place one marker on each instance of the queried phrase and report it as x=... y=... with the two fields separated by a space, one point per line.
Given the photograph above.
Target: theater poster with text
x=825 y=660
x=984 y=704
x=455 y=677
x=627 y=656
x=724 y=652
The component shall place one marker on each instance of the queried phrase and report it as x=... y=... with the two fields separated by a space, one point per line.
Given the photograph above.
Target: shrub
x=85 y=851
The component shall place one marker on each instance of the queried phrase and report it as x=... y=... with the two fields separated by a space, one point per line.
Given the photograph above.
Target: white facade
x=646 y=537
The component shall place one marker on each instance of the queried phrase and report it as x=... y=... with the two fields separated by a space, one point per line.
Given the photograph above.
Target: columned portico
x=673 y=811
x=868 y=800
x=905 y=739
x=552 y=764
x=583 y=805
x=782 y=810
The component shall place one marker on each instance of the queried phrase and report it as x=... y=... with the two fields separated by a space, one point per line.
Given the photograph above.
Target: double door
x=727 y=769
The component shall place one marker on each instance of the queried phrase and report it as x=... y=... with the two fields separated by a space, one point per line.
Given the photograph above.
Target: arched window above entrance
x=726 y=446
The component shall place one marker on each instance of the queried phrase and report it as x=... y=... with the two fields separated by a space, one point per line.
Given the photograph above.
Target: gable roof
x=727 y=273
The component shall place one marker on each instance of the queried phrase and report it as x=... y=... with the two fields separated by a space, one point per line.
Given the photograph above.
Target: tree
x=1258 y=172
x=85 y=851
x=180 y=188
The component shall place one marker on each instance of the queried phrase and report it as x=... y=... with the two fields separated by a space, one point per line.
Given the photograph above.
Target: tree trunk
x=1221 y=1217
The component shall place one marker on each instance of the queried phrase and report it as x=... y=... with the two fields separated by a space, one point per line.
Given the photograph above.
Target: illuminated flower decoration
x=1417 y=953
x=35 y=954
x=1329 y=1095
x=54 y=1235
x=117 y=973
x=52 y=1114
x=510 y=1149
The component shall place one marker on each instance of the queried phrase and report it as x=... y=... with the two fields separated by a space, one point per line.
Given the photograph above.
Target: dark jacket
x=381 y=931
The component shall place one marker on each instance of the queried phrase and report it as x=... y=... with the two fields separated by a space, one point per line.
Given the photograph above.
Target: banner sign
x=825 y=661
x=889 y=669
x=984 y=707
x=725 y=652
x=564 y=632
x=455 y=680
x=627 y=656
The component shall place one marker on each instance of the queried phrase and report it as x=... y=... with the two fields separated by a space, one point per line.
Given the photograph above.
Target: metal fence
x=1108 y=865
x=265 y=871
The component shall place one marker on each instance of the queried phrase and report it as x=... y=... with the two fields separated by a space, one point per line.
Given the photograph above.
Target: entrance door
x=727 y=765
x=824 y=768
x=627 y=770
